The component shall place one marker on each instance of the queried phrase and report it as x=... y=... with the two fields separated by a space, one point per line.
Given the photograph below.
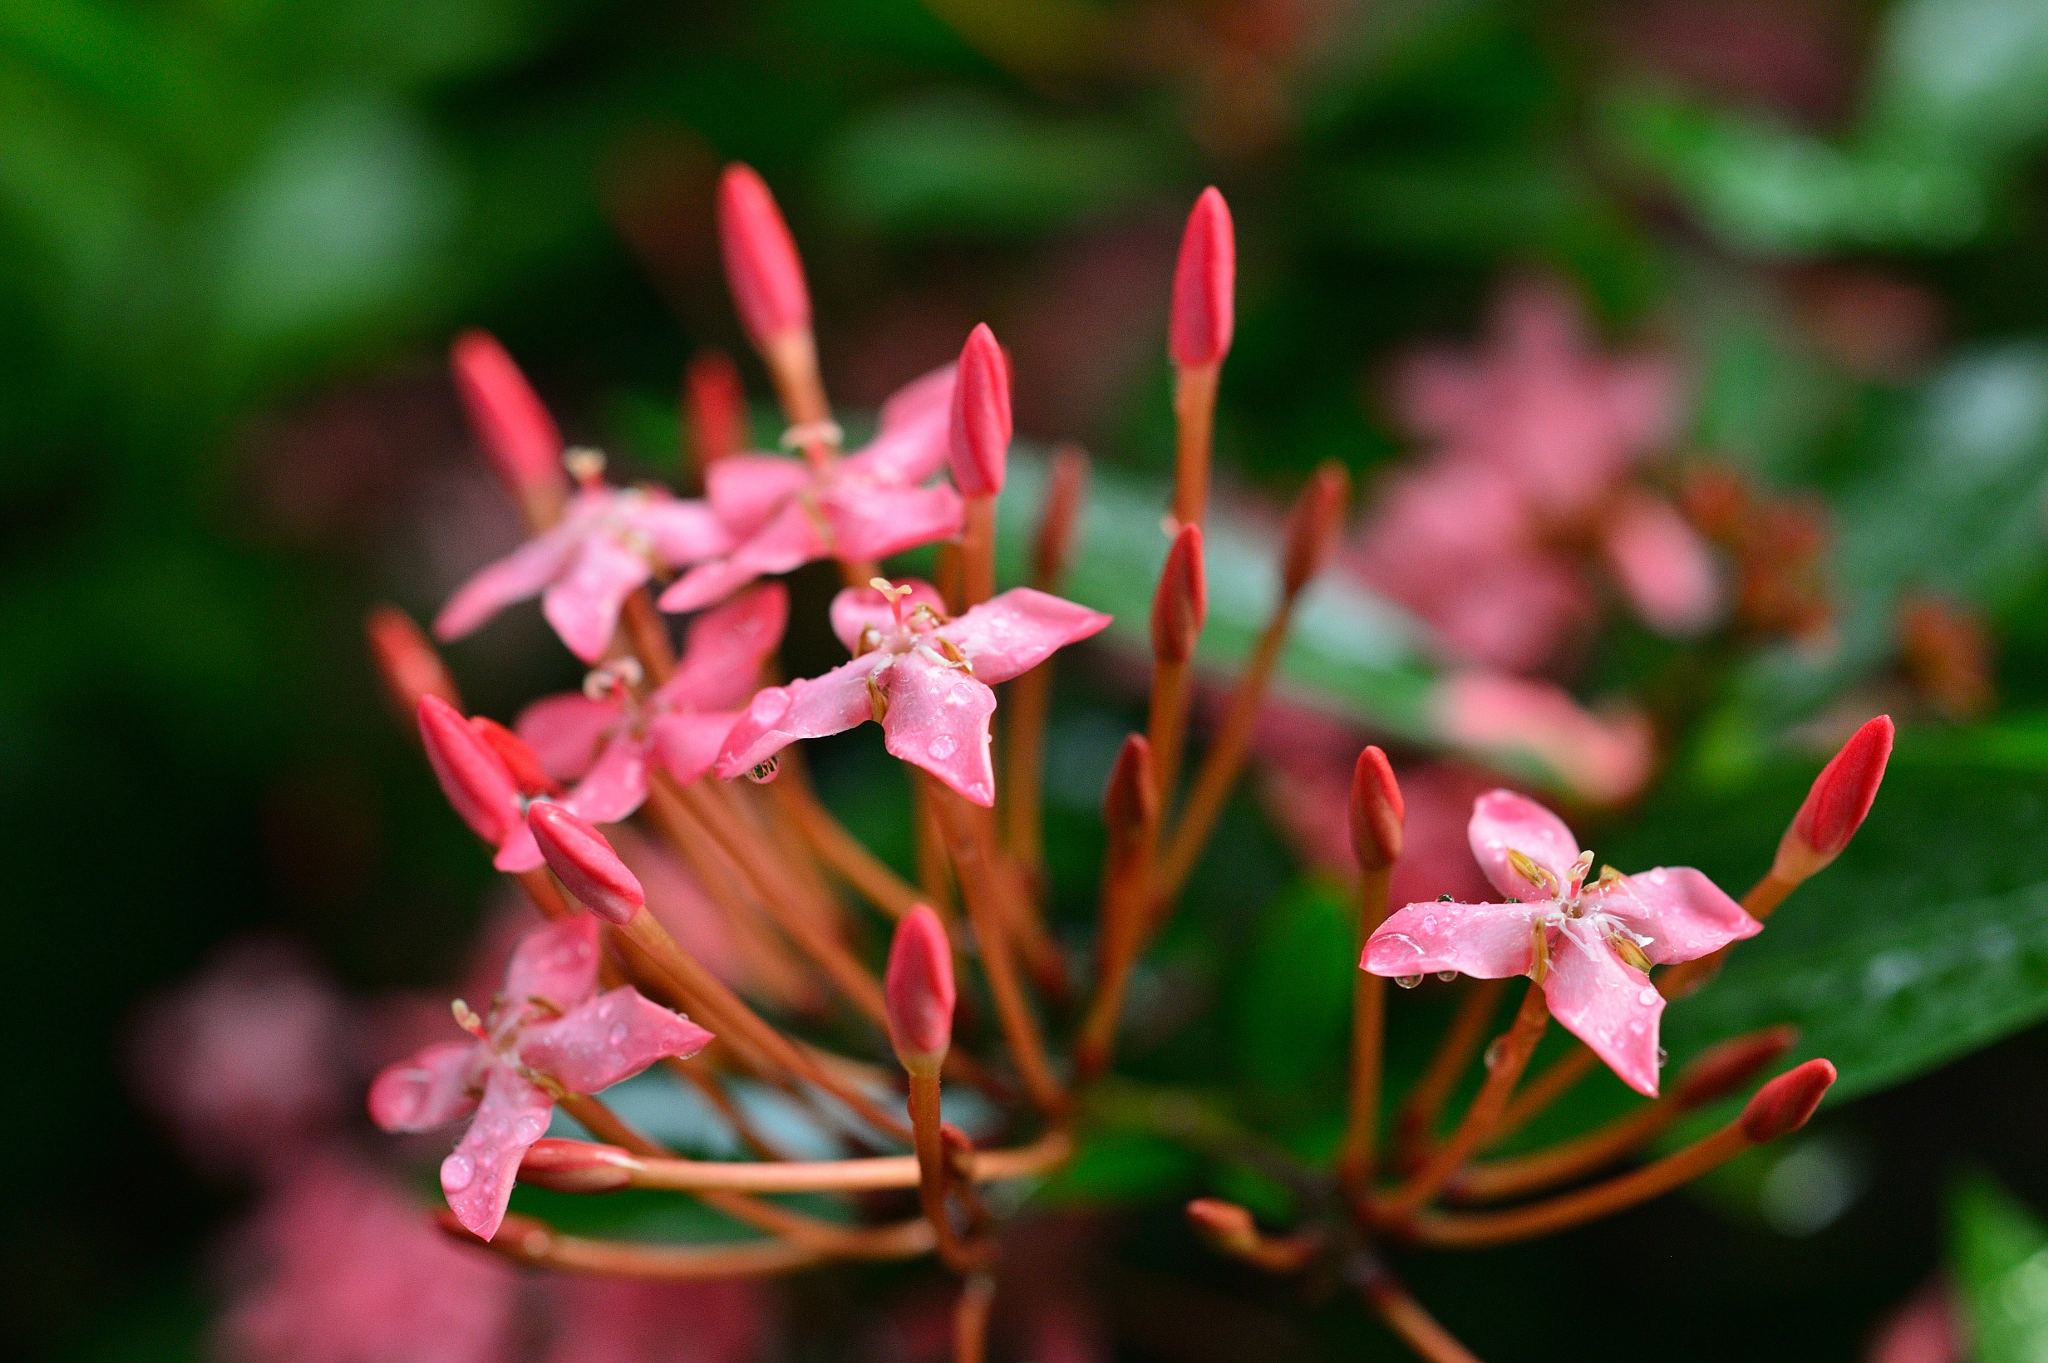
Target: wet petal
x=430 y=1089
x=583 y=604
x=682 y=530
x=746 y=489
x=515 y=577
x=1486 y=941
x=723 y=652
x=612 y=1037
x=1610 y=1006
x=477 y=1179
x=780 y=715
x=1503 y=821
x=938 y=720
x=914 y=437
x=791 y=538
x=566 y=731
x=687 y=743
x=705 y=585
x=855 y=609
x=615 y=785
x=876 y=522
x=1684 y=914
x=1008 y=636
x=557 y=964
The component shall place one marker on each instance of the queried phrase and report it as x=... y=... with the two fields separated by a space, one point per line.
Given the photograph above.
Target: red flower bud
x=406 y=661
x=1784 y=1105
x=1721 y=1070
x=1225 y=1225
x=472 y=775
x=918 y=989
x=1378 y=812
x=1835 y=808
x=717 y=407
x=1204 y=285
x=761 y=264
x=576 y=1166
x=586 y=863
x=1130 y=803
x=521 y=439
x=520 y=760
x=981 y=415
x=1066 y=485
x=1181 y=604
x=1313 y=524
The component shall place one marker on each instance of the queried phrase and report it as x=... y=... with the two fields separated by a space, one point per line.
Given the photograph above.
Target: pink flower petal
x=615 y=785
x=856 y=609
x=1684 y=914
x=557 y=964
x=723 y=652
x=1020 y=629
x=687 y=743
x=780 y=715
x=566 y=732
x=520 y=574
x=1503 y=820
x=1485 y=941
x=1663 y=565
x=477 y=1178
x=746 y=489
x=430 y=1089
x=938 y=720
x=1610 y=1006
x=518 y=852
x=705 y=585
x=874 y=522
x=681 y=530
x=612 y=1037
x=583 y=604
x=1604 y=758
x=912 y=440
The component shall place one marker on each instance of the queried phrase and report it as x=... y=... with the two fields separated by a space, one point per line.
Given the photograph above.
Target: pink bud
x=1181 y=604
x=588 y=867
x=576 y=1166
x=406 y=661
x=981 y=415
x=1722 y=1069
x=1835 y=808
x=1784 y=1105
x=761 y=264
x=1378 y=812
x=918 y=989
x=1225 y=1225
x=717 y=407
x=521 y=439
x=1204 y=285
x=521 y=762
x=1066 y=484
x=472 y=775
x=1313 y=524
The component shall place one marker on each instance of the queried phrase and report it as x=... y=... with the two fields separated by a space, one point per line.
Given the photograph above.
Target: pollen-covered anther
x=466 y=1018
x=878 y=701
x=1539 y=948
x=953 y=654
x=1537 y=874
x=1625 y=947
x=585 y=465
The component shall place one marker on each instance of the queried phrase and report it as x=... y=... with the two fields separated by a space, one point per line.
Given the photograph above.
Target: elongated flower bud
x=1130 y=802
x=1378 y=813
x=1836 y=806
x=1204 y=285
x=1784 y=1105
x=717 y=407
x=1721 y=1070
x=761 y=264
x=586 y=863
x=1313 y=524
x=981 y=416
x=407 y=662
x=521 y=440
x=576 y=1166
x=1225 y=1225
x=1181 y=605
x=1066 y=486
x=520 y=761
x=918 y=989
x=472 y=775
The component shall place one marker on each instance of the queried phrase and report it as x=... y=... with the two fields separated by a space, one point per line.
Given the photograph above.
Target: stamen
x=1623 y=946
x=1579 y=869
x=809 y=433
x=894 y=596
x=601 y=682
x=878 y=701
x=953 y=654
x=1538 y=875
x=467 y=1020
x=585 y=465
x=1539 y=943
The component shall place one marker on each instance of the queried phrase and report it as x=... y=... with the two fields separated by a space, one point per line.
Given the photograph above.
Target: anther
x=878 y=701
x=585 y=465
x=808 y=433
x=466 y=1019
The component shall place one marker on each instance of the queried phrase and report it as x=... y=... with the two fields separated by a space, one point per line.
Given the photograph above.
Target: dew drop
x=1408 y=981
x=941 y=748
x=1447 y=975
x=527 y=1129
x=458 y=1171
x=1663 y=1057
x=1444 y=899
x=1495 y=1049
x=1647 y=997
x=761 y=773
x=617 y=1035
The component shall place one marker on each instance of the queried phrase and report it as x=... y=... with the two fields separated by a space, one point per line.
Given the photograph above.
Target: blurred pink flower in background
x=1602 y=758
x=1923 y=1330
x=613 y=1320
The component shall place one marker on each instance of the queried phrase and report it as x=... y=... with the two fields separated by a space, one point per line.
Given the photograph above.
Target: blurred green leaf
x=1998 y=1252
x=1968 y=78
x=1123 y=1166
x=1292 y=1002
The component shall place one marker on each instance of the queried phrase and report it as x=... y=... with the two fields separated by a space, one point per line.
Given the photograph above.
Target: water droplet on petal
x=1647 y=997
x=458 y=1171
x=1663 y=1057
x=1444 y=899
x=761 y=773
x=941 y=748
x=1408 y=981
x=617 y=1035
x=1447 y=975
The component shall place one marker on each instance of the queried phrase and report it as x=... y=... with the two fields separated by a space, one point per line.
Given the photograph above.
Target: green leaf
x=1969 y=77
x=1293 y=996
x=1998 y=1252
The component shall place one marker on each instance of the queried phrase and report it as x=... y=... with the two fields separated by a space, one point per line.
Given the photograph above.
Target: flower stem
x=970 y=1317
x=529 y=1240
x=1194 y=413
x=843 y=853
x=978 y=552
x=1404 y=1315
x=1358 y=1151
x=1416 y=1126
x=872 y=1174
x=930 y=1144
x=1166 y=724
x=1501 y=1180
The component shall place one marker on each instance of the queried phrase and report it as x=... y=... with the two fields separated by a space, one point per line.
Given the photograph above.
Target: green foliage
x=1998 y=1253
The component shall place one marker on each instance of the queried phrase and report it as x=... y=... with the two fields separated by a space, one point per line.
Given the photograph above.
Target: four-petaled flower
x=1589 y=946
x=549 y=1034
x=783 y=512
x=609 y=541
x=603 y=743
x=925 y=679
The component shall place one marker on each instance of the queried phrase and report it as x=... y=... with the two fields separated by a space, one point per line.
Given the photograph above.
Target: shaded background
x=235 y=239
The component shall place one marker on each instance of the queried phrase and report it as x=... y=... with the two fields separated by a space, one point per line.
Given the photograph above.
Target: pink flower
x=1605 y=758
x=609 y=541
x=603 y=743
x=925 y=679
x=783 y=513
x=350 y=1272
x=1589 y=946
x=618 y=1320
x=549 y=1032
